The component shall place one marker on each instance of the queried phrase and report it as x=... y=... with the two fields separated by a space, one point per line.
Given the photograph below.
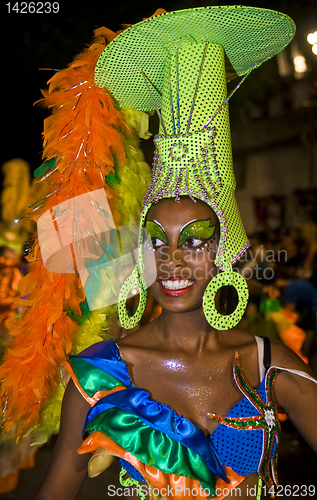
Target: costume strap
x=300 y=373
x=267 y=353
x=264 y=355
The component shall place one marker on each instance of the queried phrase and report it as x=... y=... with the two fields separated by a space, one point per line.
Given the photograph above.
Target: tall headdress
x=178 y=63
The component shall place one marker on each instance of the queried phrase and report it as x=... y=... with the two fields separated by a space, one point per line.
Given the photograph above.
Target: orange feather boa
x=86 y=134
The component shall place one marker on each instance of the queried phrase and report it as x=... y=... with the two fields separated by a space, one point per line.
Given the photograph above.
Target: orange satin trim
x=98 y=395
x=234 y=478
x=157 y=478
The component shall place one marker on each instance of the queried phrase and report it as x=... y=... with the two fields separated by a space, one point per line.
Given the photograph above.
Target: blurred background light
x=312 y=38
x=300 y=64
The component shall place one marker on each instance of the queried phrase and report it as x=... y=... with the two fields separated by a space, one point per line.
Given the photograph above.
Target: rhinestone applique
x=269 y=418
x=199 y=177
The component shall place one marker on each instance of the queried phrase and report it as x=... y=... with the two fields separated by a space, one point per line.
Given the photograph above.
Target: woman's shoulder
x=295 y=387
x=283 y=357
x=142 y=338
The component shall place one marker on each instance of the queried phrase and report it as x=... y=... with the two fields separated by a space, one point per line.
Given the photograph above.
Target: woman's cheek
x=204 y=268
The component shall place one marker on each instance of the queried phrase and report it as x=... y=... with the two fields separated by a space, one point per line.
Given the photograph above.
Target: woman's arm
x=295 y=394
x=67 y=470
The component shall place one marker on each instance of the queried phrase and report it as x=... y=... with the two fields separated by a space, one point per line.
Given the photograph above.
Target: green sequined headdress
x=179 y=63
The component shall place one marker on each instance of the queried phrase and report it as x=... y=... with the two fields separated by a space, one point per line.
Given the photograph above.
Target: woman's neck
x=189 y=330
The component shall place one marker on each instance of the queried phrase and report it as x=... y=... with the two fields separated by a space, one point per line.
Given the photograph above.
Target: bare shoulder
x=283 y=357
x=294 y=392
x=139 y=338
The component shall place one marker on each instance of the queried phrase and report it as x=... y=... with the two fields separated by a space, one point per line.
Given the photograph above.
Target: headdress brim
x=249 y=36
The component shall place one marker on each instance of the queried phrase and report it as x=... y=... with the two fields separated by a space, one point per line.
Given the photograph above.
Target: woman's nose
x=172 y=258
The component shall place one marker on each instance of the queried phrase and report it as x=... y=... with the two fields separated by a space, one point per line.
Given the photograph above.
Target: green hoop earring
x=134 y=281
x=214 y=318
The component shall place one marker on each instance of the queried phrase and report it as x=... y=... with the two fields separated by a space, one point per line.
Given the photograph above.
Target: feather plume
x=135 y=179
x=86 y=135
x=17 y=193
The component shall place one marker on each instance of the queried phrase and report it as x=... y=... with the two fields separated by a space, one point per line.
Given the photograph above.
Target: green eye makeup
x=199 y=229
x=156 y=231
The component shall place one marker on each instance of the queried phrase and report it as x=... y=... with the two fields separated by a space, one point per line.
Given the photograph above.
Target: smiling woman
x=187 y=402
x=187 y=254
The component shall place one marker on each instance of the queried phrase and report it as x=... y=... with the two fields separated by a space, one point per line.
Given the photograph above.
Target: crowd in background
x=281 y=269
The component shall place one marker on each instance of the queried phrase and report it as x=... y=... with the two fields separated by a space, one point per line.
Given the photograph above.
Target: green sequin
x=131 y=482
x=156 y=231
x=199 y=229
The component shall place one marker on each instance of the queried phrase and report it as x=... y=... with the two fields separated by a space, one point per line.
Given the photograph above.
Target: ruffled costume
x=164 y=447
x=161 y=446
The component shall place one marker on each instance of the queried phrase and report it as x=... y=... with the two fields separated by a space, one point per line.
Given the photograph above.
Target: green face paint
x=197 y=229
x=156 y=231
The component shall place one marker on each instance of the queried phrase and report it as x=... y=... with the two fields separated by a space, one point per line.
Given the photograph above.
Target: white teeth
x=176 y=285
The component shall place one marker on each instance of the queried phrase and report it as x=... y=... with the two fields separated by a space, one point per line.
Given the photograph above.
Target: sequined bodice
x=243 y=451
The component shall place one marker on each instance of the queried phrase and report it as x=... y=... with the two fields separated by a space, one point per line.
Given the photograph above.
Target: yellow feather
x=16 y=189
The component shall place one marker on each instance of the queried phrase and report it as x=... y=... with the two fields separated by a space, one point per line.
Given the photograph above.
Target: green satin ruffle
x=152 y=446
x=91 y=378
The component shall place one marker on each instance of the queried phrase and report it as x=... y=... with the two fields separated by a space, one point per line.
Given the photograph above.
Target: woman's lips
x=174 y=286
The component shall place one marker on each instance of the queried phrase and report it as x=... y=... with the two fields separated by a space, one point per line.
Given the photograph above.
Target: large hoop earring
x=133 y=282
x=214 y=318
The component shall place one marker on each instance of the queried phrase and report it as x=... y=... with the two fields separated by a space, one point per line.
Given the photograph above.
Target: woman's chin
x=178 y=304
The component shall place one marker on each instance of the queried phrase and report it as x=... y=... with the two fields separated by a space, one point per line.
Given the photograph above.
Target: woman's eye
x=194 y=243
x=157 y=243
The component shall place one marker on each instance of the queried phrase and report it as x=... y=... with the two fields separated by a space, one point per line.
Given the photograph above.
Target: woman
x=176 y=400
x=188 y=364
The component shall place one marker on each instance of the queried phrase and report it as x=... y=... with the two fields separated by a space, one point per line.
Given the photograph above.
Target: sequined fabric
x=178 y=63
x=247 y=437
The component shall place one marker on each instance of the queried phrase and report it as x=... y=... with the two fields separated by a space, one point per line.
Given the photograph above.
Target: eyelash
x=194 y=239
x=155 y=246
